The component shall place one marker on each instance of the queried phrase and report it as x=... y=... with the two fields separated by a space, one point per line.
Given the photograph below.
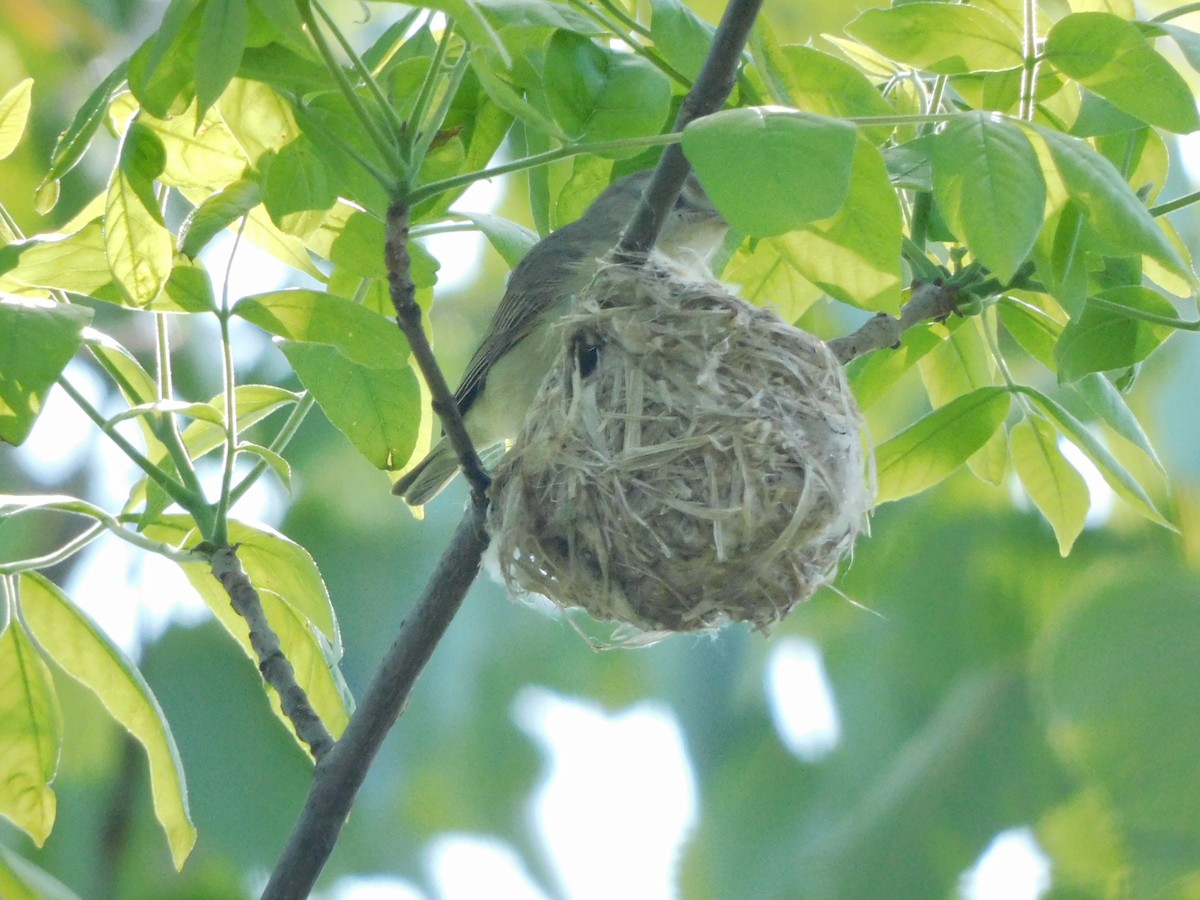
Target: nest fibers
x=690 y=460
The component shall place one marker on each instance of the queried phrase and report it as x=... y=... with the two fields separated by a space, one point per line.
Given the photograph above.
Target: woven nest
x=690 y=460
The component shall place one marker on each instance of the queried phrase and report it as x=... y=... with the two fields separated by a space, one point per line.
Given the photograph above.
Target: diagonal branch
x=930 y=300
x=408 y=317
x=340 y=773
x=274 y=665
x=709 y=93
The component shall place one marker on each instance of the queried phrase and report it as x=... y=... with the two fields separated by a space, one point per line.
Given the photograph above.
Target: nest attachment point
x=690 y=460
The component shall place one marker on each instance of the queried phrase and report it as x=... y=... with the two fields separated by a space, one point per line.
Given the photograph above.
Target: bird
x=504 y=374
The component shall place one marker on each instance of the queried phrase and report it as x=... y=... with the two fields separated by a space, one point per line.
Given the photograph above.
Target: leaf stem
x=229 y=389
x=191 y=502
x=281 y=440
x=54 y=557
x=1142 y=315
x=618 y=29
x=1178 y=203
x=1030 y=65
x=424 y=140
x=421 y=104
x=1177 y=12
x=385 y=107
x=165 y=426
x=615 y=10
x=386 y=149
x=433 y=188
x=385 y=180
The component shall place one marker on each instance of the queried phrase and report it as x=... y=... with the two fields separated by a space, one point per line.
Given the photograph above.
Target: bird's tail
x=427 y=478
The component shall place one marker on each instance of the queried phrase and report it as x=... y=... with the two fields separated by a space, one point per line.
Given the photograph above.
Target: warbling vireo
x=519 y=347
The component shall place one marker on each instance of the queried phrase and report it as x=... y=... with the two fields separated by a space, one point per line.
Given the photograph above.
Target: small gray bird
x=519 y=347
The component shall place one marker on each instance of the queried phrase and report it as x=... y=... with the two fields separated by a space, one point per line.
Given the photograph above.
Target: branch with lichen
x=276 y=670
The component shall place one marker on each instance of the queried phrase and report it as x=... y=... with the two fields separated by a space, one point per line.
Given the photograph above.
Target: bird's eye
x=587 y=355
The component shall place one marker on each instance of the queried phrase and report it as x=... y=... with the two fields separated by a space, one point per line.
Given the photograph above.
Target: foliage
x=1017 y=154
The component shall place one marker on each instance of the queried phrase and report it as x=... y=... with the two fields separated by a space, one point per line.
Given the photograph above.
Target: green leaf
x=358 y=334
x=943 y=38
x=1110 y=56
x=136 y=241
x=216 y=213
x=1052 y=483
x=598 y=94
x=1110 y=468
x=72 y=143
x=1101 y=340
x=682 y=37
x=820 y=83
x=205 y=157
x=295 y=186
x=258 y=117
x=377 y=408
x=75 y=263
x=989 y=186
x=85 y=653
x=31 y=723
x=960 y=364
x=188 y=290
x=775 y=195
x=14 y=114
x=1034 y=329
x=254 y=403
x=855 y=254
x=223 y=27
x=22 y=880
x=1109 y=404
x=873 y=375
x=927 y=451
x=160 y=72
x=37 y=340
x=277 y=463
x=1113 y=210
x=510 y=239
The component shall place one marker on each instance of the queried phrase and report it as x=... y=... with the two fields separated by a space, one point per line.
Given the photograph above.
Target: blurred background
x=966 y=715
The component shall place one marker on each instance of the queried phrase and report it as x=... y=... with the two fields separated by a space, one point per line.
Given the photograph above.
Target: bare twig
x=275 y=668
x=340 y=773
x=930 y=300
x=708 y=94
x=408 y=317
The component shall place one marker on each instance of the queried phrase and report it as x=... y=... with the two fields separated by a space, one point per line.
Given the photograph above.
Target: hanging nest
x=690 y=460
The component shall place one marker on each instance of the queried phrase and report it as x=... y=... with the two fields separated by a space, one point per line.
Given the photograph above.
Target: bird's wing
x=552 y=263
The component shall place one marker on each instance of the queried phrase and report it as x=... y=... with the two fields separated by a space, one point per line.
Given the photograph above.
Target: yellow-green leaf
x=930 y=449
x=14 y=114
x=31 y=725
x=85 y=653
x=136 y=242
x=1053 y=484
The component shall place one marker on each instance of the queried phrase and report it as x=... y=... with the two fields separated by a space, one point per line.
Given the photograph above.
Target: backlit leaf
x=934 y=446
x=775 y=195
x=31 y=723
x=14 y=113
x=943 y=38
x=1053 y=484
x=89 y=656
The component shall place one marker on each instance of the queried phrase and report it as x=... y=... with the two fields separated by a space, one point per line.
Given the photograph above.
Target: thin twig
x=276 y=670
x=408 y=317
x=340 y=773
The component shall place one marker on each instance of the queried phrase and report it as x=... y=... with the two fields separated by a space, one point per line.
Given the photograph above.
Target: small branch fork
x=930 y=300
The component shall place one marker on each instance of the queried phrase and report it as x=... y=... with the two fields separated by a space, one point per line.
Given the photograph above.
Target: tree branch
x=408 y=317
x=709 y=93
x=930 y=300
x=276 y=670
x=340 y=773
